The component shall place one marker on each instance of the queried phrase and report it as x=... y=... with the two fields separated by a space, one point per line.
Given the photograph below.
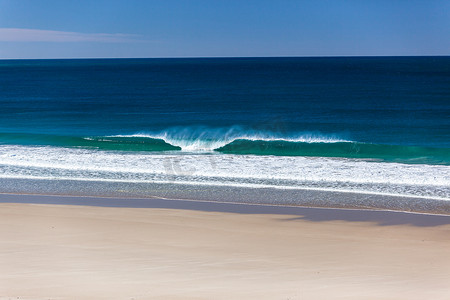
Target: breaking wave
x=236 y=140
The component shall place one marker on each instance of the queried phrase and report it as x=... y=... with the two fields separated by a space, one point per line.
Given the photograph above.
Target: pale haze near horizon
x=175 y=28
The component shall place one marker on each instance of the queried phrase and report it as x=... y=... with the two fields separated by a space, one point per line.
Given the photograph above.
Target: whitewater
x=206 y=168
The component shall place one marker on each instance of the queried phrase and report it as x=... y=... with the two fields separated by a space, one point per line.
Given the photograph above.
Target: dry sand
x=80 y=252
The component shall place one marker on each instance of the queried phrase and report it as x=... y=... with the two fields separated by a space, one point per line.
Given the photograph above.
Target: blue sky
x=211 y=28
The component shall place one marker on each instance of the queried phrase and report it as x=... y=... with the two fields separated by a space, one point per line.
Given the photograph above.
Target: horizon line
x=211 y=57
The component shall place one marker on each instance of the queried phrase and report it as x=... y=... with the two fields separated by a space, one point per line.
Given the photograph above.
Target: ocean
x=297 y=131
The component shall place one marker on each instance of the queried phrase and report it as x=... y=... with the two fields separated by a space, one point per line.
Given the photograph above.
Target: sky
x=222 y=28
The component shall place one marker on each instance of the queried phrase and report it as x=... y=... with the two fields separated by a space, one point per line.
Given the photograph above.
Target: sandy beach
x=224 y=150
x=86 y=252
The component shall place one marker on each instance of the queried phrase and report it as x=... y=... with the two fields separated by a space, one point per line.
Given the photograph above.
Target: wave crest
x=236 y=140
x=209 y=139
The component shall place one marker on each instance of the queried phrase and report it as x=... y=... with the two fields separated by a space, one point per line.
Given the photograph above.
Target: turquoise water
x=378 y=125
x=258 y=145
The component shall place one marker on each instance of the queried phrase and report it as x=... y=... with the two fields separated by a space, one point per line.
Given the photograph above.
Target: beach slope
x=81 y=252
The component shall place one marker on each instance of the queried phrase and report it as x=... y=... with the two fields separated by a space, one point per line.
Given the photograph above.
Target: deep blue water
x=392 y=100
x=376 y=124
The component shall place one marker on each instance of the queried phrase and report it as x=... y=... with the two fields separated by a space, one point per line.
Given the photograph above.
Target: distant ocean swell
x=253 y=143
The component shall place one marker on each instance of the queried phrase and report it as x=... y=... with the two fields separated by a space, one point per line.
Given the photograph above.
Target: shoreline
x=227 y=194
x=379 y=216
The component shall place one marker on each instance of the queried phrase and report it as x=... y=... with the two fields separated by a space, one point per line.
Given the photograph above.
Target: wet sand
x=168 y=249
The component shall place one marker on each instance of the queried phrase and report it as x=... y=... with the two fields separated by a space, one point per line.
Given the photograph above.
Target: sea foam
x=280 y=172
